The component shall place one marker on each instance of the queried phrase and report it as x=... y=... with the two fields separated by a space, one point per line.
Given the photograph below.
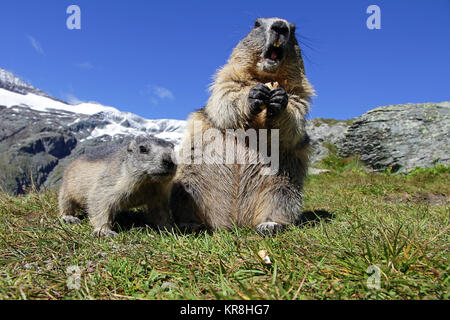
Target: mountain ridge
x=11 y=82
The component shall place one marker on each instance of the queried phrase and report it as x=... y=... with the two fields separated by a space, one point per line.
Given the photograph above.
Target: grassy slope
x=399 y=223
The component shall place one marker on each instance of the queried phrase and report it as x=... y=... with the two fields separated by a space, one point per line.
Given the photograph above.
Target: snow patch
x=116 y=122
x=45 y=104
x=130 y=124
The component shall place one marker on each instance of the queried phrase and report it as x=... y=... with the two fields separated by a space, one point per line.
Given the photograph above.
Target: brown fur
x=121 y=181
x=219 y=195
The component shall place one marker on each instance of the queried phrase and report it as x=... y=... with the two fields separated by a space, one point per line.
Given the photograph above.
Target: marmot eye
x=257 y=24
x=143 y=149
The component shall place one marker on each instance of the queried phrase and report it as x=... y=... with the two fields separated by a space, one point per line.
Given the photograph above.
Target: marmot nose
x=167 y=162
x=280 y=27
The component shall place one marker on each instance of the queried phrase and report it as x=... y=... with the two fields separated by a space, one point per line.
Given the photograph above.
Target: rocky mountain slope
x=40 y=135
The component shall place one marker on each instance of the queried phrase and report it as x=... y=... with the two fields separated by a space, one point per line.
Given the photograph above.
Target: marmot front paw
x=277 y=103
x=70 y=220
x=104 y=233
x=258 y=97
x=269 y=228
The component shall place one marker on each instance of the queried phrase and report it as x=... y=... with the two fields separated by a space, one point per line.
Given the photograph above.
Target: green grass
x=338 y=164
x=400 y=223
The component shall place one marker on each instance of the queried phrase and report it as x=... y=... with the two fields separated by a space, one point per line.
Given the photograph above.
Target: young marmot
x=114 y=178
x=220 y=195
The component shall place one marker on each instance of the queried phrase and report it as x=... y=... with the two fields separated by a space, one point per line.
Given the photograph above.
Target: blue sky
x=157 y=58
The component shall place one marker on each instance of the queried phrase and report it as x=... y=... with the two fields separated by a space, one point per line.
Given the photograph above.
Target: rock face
x=400 y=137
x=323 y=132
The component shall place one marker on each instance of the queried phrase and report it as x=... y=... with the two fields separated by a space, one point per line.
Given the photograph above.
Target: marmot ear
x=292 y=28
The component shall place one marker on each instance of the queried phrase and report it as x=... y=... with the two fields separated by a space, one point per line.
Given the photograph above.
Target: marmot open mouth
x=274 y=54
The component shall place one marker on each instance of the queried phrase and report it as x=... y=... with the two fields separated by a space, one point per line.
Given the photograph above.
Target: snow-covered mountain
x=16 y=93
x=12 y=83
x=40 y=134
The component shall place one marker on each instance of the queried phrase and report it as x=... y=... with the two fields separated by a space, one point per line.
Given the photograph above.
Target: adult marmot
x=118 y=177
x=219 y=195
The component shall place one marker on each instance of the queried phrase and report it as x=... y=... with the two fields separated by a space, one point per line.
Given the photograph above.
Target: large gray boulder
x=400 y=137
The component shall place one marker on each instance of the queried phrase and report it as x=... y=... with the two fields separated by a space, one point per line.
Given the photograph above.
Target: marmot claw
x=70 y=220
x=278 y=102
x=269 y=228
x=258 y=97
x=104 y=233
